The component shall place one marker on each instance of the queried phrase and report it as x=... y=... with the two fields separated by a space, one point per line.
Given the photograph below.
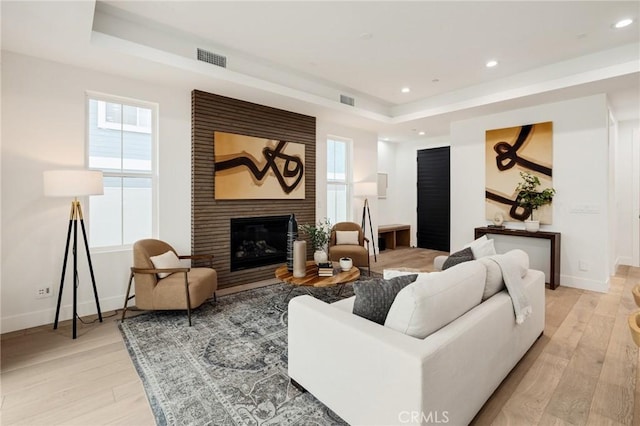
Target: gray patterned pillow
x=463 y=255
x=374 y=297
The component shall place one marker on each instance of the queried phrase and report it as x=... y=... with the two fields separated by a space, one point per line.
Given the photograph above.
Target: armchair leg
x=186 y=288
x=126 y=296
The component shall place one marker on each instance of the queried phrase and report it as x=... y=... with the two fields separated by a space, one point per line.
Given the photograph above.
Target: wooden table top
x=312 y=279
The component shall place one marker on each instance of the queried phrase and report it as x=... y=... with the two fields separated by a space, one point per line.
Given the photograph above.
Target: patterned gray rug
x=230 y=367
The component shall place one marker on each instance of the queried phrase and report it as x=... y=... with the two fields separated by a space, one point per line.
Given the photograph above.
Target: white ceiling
x=303 y=55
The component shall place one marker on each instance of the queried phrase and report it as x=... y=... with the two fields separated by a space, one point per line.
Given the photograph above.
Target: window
x=338 y=179
x=121 y=143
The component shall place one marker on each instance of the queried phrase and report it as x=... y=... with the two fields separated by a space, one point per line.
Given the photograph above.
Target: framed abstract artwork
x=251 y=168
x=508 y=152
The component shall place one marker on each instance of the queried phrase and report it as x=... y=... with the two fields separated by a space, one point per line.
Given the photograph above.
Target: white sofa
x=370 y=374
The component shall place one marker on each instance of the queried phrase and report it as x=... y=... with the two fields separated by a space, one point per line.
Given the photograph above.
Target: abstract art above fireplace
x=508 y=152
x=248 y=167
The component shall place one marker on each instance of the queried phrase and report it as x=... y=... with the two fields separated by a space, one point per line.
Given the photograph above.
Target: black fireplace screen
x=258 y=241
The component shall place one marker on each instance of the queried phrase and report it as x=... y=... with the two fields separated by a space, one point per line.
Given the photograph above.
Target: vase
x=320 y=256
x=292 y=235
x=299 y=258
x=346 y=263
x=532 y=225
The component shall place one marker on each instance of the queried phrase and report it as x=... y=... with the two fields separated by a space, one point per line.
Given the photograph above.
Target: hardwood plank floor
x=582 y=371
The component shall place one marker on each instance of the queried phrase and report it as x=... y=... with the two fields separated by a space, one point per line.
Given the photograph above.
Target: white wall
x=43 y=128
x=581 y=177
x=364 y=169
x=387 y=164
x=625 y=201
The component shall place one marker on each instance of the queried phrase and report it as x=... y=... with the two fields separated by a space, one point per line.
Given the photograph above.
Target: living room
x=48 y=74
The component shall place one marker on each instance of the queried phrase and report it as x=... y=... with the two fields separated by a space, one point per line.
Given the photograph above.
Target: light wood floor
x=583 y=371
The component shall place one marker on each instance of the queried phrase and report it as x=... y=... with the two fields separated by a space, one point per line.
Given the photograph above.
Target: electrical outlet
x=583 y=266
x=43 y=292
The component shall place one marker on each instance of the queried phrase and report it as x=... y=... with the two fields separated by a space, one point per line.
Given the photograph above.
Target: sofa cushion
x=167 y=260
x=464 y=255
x=494 y=282
x=433 y=301
x=374 y=297
x=387 y=274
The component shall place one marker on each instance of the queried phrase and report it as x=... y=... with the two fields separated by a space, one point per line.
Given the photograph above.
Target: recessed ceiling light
x=492 y=63
x=623 y=23
x=366 y=36
x=435 y=80
x=405 y=90
x=421 y=133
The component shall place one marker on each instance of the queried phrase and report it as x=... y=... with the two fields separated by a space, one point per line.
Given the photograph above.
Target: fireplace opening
x=258 y=241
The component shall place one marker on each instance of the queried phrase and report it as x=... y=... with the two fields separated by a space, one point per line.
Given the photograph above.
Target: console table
x=554 y=240
x=395 y=235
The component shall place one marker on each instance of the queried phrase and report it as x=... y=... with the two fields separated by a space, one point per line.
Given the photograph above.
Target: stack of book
x=325 y=270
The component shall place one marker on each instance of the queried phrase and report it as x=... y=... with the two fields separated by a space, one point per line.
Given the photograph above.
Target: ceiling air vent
x=212 y=58
x=347 y=100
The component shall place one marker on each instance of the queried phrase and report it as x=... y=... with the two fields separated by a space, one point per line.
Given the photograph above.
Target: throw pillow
x=463 y=255
x=374 y=297
x=482 y=249
x=165 y=260
x=347 y=237
x=437 y=299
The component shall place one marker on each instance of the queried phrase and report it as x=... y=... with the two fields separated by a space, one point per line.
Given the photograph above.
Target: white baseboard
x=624 y=260
x=584 y=284
x=47 y=316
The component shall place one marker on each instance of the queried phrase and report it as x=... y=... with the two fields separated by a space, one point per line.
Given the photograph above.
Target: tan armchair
x=358 y=253
x=186 y=288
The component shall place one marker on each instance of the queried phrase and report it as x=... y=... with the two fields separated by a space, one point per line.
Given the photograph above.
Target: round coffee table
x=311 y=278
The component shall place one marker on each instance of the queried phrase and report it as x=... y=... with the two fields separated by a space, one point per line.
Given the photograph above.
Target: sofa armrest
x=360 y=369
x=438 y=262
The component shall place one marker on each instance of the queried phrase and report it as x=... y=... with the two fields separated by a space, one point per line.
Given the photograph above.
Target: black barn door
x=433 y=198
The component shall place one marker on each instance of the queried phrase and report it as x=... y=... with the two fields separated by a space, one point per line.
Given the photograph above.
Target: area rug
x=229 y=367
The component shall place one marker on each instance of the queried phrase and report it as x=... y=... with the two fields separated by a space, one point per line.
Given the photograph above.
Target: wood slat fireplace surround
x=210 y=218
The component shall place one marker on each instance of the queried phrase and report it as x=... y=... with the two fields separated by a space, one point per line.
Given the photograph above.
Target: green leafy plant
x=528 y=195
x=318 y=234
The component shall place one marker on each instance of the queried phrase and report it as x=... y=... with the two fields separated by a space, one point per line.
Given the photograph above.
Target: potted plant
x=319 y=236
x=531 y=199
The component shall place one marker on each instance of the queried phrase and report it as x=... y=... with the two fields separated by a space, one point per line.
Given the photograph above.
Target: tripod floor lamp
x=364 y=190
x=74 y=183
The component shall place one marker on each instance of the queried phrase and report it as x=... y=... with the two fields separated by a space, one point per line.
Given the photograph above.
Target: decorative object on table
x=530 y=199
x=346 y=263
x=319 y=236
x=239 y=341
x=74 y=183
x=325 y=269
x=247 y=167
x=509 y=151
x=498 y=220
x=299 y=258
x=292 y=235
x=365 y=190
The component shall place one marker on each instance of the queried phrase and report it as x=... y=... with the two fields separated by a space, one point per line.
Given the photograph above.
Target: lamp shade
x=72 y=183
x=365 y=189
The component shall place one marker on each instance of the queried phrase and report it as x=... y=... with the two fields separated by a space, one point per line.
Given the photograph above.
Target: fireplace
x=258 y=241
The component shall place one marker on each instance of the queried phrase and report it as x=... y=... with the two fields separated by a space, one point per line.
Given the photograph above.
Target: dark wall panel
x=210 y=219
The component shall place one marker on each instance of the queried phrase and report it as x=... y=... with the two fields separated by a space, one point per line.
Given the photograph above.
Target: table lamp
x=74 y=183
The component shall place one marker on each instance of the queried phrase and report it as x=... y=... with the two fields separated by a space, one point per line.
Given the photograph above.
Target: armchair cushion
x=166 y=260
x=357 y=253
x=170 y=292
x=347 y=237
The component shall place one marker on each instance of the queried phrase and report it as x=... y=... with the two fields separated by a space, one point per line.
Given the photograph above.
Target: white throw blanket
x=513 y=282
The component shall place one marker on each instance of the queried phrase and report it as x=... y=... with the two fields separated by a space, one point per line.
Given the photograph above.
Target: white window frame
x=103 y=97
x=104 y=124
x=348 y=181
